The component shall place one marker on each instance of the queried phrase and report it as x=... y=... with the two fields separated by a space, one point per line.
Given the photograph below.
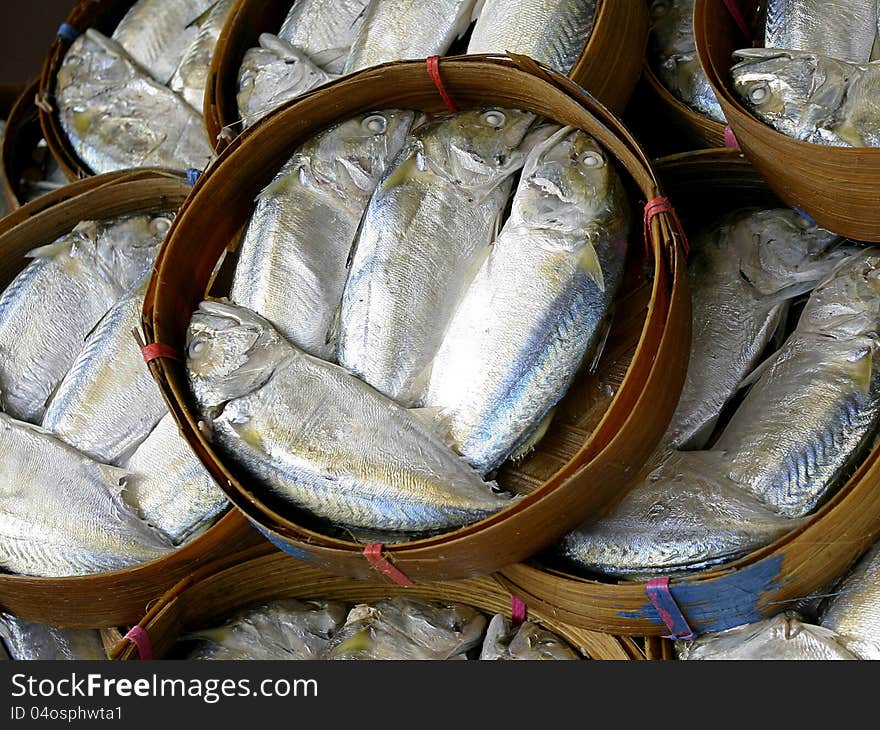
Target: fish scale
x=324 y=30
x=29 y=640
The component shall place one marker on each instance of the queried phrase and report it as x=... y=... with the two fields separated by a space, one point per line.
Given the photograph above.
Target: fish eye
x=375 y=124
x=593 y=160
x=494 y=118
x=659 y=9
x=198 y=347
x=759 y=93
x=160 y=225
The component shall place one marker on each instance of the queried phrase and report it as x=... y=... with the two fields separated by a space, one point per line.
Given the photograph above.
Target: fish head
x=474 y=149
x=124 y=249
x=231 y=352
x=569 y=184
x=671 y=26
x=795 y=91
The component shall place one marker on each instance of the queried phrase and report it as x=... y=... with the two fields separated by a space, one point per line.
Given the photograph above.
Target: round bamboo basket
x=20 y=141
x=836 y=186
x=608 y=67
x=119 y=597
x=706 y=184
x=586 y=457
x=209 y=596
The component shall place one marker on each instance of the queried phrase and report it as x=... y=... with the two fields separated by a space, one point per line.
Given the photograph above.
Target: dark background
x=26 y=31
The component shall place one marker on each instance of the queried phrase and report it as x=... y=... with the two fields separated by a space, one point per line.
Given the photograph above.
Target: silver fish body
x=168 y=486
x=71 y=283
x=554 y=32
x=395 y=30
x=108 y=402
x=540 y=302
x=29 y=641
x=843 y=29
x=285 y=629
x=816 y=406
x=403 y=628
x=191 y=76
x=673 y=54
x=744 y=271
x=809 y=97
x=324 y=30
x=852 y=610
x=425 y=232
x=320 y=438
x=271 y=74
x=157 y=33
x=60 y=511
x=781 y=638
x=526 y=642
x=117 y=117
x=684 y=516
x=293 y=260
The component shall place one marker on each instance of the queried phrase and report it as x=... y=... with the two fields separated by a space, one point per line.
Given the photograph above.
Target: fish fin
x=601 y=343
x=849 y=134
x=590 y=263
x=864 y=371
x=354 y=241
x=437 y=420
x=115 y=477
x=49 y=251
x=534 y=438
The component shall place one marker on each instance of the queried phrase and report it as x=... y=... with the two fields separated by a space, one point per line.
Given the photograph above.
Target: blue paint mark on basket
x=283 y=545
x=723 y=603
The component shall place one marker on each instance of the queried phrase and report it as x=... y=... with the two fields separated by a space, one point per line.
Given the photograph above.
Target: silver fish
x=29 y=640
x=528 y=642
x=852 y=611
x=60 y=511
x=284 y=629
x=272 y=74
x=745 y=270
x=71 y=284
x=539 y=304
x=320 y=438
x=811 y=98
x=782 y=638
x=108 y=402
x=157 y=33
x=554 y=32
x=190 y=78
x=394 y=30
x=403 y=628
x=168 y=486
x=117 y=117
x=684 y=516
x=673 y=56
x=293 y=260
x=815 y=407
x=324 y=30
x=426 y=230
x=842 y=29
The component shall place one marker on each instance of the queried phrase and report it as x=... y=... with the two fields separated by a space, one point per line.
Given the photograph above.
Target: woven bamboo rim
x=608 y=67
x=764 y=582
x=836 y=186
x=212 y=594
x=595 y=464
x=21 y=137
x=119 y=597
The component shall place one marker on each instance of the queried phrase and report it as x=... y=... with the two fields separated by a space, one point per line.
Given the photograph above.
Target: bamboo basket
x=586 y=457
x=119 y=597
x=608 y=67
x=835 y=186
x=209 y=596
x=706 y=184
x=20 y=140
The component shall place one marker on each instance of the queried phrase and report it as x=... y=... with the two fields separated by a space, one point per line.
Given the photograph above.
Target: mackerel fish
x=60 y=511
x=320 y=438
x=72 y=283
x=117 y=117
x=292 y=264
x=526 y=642
x=554 y=32
x=426 y=231
x=324 y=30
x=539 y=305
x=395 y=30
x=809 y=97
x=402 y=628
x=29 y=641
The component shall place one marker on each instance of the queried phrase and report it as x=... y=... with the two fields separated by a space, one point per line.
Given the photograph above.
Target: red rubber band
x=141 y=639
x=158 y=350
x=656 y=207
x=433 y=64
x=518 y=611
x=670 y=613
x=736 y=12
x=730 y=138
x=373 y=554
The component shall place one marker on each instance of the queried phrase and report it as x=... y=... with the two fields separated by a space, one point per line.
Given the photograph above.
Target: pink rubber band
x=518 y=611
x=667 y=607
x=654 y=208
x=373 y=554
x=433 y=64
x=141 y=639
x=736 y=12
x=730 y=138
x=158 y=350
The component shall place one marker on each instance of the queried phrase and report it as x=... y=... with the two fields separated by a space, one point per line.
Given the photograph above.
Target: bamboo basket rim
x=666 y=251
x=180 y=605
x=16 y=112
